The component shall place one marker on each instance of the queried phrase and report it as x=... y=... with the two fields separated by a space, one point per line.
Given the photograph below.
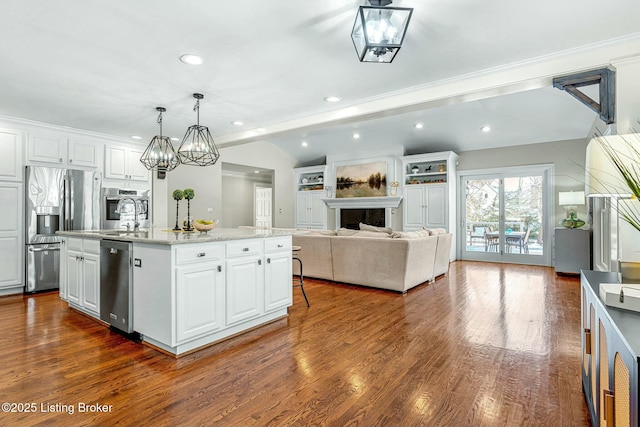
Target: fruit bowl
x=203 y=226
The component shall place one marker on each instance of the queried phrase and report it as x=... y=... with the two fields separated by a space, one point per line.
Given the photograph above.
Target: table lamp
x=570 y=200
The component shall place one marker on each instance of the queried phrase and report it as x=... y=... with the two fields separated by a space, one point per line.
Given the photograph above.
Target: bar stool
x=295 y=250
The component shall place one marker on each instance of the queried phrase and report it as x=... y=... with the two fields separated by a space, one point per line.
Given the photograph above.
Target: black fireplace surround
x=351 y=218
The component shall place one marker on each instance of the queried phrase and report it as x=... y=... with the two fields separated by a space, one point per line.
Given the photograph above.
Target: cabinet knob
x=245 y=249
x=70 y=160
x=60 y=159
x=201 y=254
x=268 y=260
x=219 y=268
x=259 y=262
x=280 y=246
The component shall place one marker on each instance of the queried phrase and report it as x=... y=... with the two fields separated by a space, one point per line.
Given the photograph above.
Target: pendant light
x=378 y=31
x=160 y=155
x=197 y=147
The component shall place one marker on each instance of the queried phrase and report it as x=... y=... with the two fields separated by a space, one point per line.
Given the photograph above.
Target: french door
x=505 y=216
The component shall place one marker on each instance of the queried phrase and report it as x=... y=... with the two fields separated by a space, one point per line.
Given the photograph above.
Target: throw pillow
x=322 y=232
x=408 y=234
x=362 y=233
x=367 y=227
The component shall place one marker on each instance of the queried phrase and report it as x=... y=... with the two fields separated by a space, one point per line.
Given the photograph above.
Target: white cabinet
x=122 y=162
x=429 y=191
x=245 y=289
x=11 y=241
x=11 y=162
x=199 y=300
x=187 y=296
x=309 y=186
x=425 y=206
x=57 y=149
x=63 y=269
x=277 y=274
x=81 y=269
x=311 y=211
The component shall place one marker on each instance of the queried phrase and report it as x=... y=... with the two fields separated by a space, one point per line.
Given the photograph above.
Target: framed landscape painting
x=363 y=180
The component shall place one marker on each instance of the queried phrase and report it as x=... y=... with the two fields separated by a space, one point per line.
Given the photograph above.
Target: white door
x=245 y=289
x=505 y=216
x=414 y=207
x=318 y=210
x=303 y=209
x=91 y=282
x=277 y=286
x=263 y=207
x=436 y=207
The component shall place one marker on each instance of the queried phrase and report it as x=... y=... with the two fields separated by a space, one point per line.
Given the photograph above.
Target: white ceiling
x=105 y=66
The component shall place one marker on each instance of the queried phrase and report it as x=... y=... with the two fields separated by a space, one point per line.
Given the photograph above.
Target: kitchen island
x=190 y=289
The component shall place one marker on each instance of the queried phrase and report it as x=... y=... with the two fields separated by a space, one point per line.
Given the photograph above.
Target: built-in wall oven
x=125 y=206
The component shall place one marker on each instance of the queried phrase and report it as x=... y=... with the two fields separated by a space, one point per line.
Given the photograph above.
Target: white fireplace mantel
x=364 y=202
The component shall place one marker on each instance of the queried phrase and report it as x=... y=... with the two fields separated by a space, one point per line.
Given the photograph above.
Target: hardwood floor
x=489 y=345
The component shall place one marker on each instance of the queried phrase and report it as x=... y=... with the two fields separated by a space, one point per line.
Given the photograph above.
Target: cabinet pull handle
x=280 y=246
x=245 y=249
x=70 y=160
x=219 y=268
x=268 y=260
x=609 y=414
x=587 y=341
x=201 y=254
x=60 y=159
x=259 y=262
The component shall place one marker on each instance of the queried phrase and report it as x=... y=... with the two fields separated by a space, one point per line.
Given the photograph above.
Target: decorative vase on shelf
x=415 y=169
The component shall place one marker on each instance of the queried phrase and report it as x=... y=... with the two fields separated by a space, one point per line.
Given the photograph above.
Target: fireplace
x=351 y=218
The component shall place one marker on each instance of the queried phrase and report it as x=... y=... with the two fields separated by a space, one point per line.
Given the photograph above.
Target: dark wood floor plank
x=487 y=345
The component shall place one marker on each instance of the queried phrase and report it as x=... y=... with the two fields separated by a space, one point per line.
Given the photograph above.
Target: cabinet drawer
x=275 y=244
x=198 y=253
x=244 y=247
x=92 y=245
x=74 y=244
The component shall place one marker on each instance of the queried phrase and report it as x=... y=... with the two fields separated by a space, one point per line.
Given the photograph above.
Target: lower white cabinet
x=80 y=269
x=11 y=241
x=425 y=205
x=245 y=289
x=199 y=300
x=190 y=295
x=311 y=211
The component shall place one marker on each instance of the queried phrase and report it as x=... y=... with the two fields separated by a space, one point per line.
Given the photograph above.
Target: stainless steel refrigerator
x=55 y=199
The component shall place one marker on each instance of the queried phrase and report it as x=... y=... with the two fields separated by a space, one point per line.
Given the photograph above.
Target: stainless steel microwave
x=123 y=206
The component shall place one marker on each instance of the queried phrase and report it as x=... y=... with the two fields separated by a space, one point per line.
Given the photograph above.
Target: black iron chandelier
x=378 y=31
x=160 y=155
x=197 y=147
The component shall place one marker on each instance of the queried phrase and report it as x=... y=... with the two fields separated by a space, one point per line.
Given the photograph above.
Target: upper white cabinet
x=60 y=150
x=311 y=212
x=11 y=160
x=122 y=162
x=429 y=191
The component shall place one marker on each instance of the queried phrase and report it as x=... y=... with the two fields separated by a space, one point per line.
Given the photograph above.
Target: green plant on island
x=189 y=194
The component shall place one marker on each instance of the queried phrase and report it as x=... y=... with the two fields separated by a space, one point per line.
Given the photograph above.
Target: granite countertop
x=169 y=237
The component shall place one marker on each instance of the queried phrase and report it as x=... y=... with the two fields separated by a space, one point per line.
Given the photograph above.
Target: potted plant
x=189 y=194
x=177 y=196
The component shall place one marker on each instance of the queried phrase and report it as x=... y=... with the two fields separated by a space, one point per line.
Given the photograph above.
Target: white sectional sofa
x=381 y=259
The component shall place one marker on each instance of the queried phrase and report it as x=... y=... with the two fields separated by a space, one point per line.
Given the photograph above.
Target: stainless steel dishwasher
x=116 y=290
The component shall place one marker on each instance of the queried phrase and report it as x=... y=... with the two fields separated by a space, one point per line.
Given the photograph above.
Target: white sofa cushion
x=367 y=227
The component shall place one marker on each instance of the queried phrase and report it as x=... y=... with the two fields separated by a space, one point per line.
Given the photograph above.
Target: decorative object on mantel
x=177 y=196
x=361 y=180
x=189 y=194
x=415 y=169
x=160 y=155
x=378 y=31
x=394 y=188
x=571 y=199
x=328 y=191
x=197 y=146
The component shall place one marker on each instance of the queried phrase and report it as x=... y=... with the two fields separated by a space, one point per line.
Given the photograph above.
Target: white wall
x=207 y=183
x=237 y=209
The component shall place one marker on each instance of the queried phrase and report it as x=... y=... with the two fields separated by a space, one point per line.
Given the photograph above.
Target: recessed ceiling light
x=237 y=123
x=332 y=98
x=356 y=136
x=304 y=143
x=418 y=126
x=136 y=137
x=485 y=128
x=191 y=59
x=256 y=171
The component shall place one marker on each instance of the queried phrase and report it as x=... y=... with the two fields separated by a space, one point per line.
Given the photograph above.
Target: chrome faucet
x=136 y=224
